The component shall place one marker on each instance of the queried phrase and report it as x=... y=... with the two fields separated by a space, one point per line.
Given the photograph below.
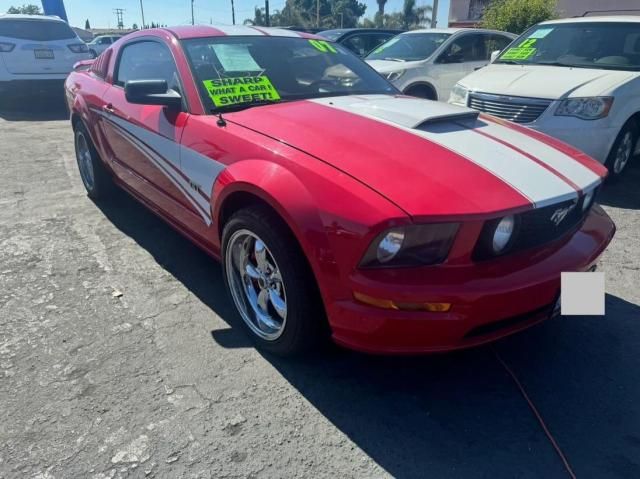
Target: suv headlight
x=413 y=245
x=591 y=108
x=458 y=95
x=394 y=75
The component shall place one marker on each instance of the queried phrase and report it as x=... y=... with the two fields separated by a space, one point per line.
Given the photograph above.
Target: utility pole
x=193 y=18
x=142 y=11
x=267 y=20
x=119 y=15
x=318 y=13
x=434 y=14
x=233 y=13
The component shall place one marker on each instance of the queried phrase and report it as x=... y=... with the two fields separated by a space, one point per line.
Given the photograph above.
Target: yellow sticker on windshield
x=523 y=51
x=231 y=91
x=323 y=46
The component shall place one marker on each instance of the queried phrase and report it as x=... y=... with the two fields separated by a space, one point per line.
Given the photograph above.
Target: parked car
x=577 y=79
x=393 y=223
x=428 y=63
x=101 y=43
x=37 y=52
x=360 y=40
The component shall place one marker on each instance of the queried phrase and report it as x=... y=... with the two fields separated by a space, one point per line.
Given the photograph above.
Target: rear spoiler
x=83 y=65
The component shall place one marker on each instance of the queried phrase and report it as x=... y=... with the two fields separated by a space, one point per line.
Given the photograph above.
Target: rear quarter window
x=37 y=30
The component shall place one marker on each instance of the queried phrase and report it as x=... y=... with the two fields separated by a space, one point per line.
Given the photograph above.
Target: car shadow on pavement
x=458 y=414
x=624 y=193
x=37 y=108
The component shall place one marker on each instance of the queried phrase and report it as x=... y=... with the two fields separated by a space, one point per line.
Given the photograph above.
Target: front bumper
x=489 y=300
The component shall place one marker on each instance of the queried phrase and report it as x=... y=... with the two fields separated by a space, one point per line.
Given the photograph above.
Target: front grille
x=513 y=108
x=533 y=228
x=496 y=326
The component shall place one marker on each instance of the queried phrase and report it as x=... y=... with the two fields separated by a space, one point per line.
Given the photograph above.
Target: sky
x=174 y=12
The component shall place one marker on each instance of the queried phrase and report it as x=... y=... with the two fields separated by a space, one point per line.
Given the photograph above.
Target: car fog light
x=390 y=245
x=503 y=233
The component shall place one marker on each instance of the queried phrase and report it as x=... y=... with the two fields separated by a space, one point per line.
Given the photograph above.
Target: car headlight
x=394 y=75
x=458 y=95
x=590 y=108
x=414 y=245
x=6 y=47
x=503 y=233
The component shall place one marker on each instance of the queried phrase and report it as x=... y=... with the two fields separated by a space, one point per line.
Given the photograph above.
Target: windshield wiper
x=509 y=62
x=395 y=59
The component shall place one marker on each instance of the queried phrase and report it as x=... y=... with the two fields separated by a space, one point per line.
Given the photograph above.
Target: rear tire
x=95 y=177
x=271 y=284
x=621 y=153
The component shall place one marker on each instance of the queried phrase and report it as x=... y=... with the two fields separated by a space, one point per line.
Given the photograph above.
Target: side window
x=496 y=42
x=358 y=44
x=467 y=48
x=146 y=60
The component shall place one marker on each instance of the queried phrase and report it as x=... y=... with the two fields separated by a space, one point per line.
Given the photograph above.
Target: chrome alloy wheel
x=623 y=153
x=85 y=162
x=256 y=284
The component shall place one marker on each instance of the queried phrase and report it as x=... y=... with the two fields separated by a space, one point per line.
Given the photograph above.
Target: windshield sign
x=238 y=72
x=409 y=47
x=601 y=45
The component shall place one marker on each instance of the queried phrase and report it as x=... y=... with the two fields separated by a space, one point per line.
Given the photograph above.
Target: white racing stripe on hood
x=239 y=30
x=575 y=171
x=532 y=180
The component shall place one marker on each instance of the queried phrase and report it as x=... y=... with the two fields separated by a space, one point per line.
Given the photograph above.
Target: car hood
x=544 y=81
x=429 y=158
x=386 y=66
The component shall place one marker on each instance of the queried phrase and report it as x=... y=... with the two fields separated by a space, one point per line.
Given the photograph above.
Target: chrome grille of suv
x=513 y=108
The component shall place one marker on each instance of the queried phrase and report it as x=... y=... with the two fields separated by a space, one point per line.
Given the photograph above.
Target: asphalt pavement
x=121 y=356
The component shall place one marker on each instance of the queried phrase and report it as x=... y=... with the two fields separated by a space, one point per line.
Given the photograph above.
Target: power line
x=120 y=16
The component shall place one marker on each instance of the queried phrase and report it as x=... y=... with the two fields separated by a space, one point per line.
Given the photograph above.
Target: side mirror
x=152 y=92
x=495 y=54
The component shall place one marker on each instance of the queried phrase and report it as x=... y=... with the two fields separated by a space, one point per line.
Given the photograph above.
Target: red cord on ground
x=537 y=414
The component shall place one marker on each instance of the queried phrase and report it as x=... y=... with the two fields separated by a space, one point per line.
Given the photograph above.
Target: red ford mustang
x=335 y=204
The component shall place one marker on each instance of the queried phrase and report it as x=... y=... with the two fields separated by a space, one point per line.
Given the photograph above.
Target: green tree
x=303 y=13
x=87 y=25
x=516 y=16
x=135 y=26
x=26 y=10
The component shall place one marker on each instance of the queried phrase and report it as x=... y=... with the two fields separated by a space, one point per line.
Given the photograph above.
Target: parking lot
x=121 y=356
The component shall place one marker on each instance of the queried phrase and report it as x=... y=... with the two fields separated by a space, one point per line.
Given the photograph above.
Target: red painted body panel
x=337 y=180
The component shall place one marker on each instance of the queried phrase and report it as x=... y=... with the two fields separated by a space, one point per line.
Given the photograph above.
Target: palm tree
x=413 y=16
x=380 y=14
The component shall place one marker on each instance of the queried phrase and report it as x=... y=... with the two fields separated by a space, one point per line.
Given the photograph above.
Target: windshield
x=237 y=72
x=37 y=30
x=601 y=45
x=409 y=47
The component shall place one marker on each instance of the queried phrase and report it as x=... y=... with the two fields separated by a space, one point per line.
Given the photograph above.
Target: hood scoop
x=401 y=110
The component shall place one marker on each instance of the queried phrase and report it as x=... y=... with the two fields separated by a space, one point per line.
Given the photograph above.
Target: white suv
x=37 y=52
x=577 y=79
x=428 y=63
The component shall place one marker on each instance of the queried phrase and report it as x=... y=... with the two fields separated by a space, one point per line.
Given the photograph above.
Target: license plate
x=43 y=54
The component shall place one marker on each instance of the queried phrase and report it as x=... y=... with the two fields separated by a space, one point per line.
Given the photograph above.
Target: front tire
x=622 y=150
x=270 y=283
x=95 y=177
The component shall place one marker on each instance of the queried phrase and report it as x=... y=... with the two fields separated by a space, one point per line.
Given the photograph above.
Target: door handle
x=108 y=108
